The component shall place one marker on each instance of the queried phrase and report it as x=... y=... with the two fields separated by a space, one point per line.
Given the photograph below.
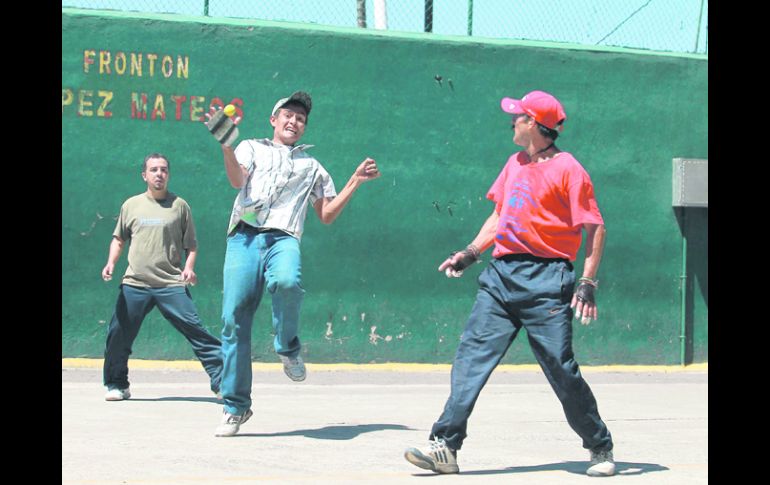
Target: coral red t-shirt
x=542 y=206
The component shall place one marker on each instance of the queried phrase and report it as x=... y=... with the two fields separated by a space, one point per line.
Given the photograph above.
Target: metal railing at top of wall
x=656 y=25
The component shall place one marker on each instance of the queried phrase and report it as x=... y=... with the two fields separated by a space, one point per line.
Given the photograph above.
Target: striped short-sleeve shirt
x=282 y=181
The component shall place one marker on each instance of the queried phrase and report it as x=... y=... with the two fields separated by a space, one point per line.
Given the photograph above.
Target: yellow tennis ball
x=229 y=110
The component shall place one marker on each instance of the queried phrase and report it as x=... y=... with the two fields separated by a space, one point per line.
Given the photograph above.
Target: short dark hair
x=549 y=133
x=155 y=155
x=544 y=130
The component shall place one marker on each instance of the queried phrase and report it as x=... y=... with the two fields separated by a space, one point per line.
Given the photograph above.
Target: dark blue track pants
x=534 y=293
x=176 y=305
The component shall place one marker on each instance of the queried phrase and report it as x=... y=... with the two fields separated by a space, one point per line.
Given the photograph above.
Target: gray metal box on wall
x=691 y=182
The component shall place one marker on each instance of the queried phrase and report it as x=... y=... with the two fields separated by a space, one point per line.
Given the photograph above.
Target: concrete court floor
x=351 y=424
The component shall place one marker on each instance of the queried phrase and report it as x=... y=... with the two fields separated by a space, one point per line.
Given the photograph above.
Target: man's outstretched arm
x=454 y=265
x=329 y=208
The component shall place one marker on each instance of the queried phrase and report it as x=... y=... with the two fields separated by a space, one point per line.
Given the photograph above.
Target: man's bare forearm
x=234 y=170
x=595 y=236
x=486 y=236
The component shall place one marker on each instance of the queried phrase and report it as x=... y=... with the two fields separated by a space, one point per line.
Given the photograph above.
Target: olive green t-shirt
x=158 y=233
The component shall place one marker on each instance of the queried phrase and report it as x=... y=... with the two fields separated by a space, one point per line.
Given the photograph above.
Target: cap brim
x=512 y=106
x=279 y=105
x=291 y=99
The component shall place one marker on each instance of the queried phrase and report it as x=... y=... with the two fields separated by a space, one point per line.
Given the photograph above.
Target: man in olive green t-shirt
x=160 y=227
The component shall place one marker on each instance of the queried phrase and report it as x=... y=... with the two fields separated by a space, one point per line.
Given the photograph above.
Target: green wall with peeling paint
x=373 y=292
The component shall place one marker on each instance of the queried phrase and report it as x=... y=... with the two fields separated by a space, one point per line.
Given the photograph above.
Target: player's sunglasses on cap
x=300 y=97
x=541 y=106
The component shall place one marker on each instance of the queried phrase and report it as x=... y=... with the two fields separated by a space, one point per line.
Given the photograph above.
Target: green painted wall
x=373 y=292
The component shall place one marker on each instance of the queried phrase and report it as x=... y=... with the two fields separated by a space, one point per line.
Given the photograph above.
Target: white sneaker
x=117 y=394
x=231 y=422
x=294 y=367
x=602 y=464
x=437 y=456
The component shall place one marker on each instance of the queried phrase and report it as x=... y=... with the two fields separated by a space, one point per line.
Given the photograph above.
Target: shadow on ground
x=623 y=468
x=178 y=399
x=337 y=432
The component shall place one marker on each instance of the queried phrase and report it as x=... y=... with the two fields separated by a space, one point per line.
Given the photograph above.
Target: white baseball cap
x=300 y=97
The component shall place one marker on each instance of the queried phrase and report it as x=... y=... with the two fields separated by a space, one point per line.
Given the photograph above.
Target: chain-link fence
x=660 y=25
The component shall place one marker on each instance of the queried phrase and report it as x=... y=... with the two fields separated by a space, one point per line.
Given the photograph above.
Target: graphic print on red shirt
x=542 y=206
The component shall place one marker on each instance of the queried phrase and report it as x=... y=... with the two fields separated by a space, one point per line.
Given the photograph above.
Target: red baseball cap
x=543 y=107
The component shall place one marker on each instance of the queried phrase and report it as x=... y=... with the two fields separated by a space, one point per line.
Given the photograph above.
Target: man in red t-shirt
x=544 y=200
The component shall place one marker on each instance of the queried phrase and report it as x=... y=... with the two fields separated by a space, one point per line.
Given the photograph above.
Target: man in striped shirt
x=277 y=179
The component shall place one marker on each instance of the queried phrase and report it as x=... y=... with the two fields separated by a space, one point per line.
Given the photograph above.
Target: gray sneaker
x=602 y=464
x=231 y=422
x=117 y=394
x=437 y=456
x=294 y=367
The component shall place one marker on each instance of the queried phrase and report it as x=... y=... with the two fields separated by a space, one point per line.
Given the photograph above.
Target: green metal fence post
x=697 y=35
x=470 y=18
x=683 y=294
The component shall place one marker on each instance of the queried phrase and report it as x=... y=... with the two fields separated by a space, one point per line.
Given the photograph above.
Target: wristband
x=474 y=251
x=590 y=281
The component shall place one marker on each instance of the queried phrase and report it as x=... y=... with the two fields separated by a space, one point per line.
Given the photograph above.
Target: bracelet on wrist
x=590 y=281
x=474 y=251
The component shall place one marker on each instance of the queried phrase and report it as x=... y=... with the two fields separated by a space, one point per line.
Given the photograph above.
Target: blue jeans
x=176 y=305
x=534 y=293
x=254 y=261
